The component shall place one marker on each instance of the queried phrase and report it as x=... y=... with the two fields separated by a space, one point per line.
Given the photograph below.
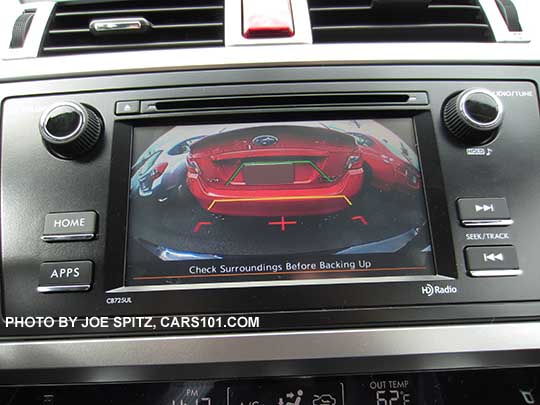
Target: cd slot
x=282 y=100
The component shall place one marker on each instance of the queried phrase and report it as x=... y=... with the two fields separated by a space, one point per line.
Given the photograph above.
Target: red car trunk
x=272 y=162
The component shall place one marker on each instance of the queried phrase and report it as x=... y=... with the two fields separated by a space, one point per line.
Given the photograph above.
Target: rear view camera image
x=300 y=202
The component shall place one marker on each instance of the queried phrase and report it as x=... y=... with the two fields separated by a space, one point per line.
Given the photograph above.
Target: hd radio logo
x=431 y=290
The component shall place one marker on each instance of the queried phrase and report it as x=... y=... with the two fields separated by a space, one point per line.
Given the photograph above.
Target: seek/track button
x=70 y=226
x=484 y=212
x=492 y=261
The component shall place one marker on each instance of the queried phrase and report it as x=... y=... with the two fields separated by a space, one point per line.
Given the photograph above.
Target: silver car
x=161 y=171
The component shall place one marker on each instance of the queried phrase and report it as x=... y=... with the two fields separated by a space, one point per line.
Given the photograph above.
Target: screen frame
x=434 y=191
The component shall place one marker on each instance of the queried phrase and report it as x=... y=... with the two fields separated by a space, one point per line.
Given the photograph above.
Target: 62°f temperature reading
x=391 y=392
x=393 y=397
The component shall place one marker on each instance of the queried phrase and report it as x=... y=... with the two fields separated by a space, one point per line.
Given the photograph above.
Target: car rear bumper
x=267 y=202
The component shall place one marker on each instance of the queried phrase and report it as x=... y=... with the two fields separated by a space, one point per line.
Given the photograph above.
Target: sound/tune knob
x=474 y=116
x=70 y=129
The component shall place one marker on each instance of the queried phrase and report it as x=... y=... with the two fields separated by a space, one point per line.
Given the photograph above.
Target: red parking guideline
x=200 y=225
x=360 y=218
x=283 y=223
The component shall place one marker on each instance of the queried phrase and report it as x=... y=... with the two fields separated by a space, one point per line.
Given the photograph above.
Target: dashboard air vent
x=134 y=25
x=338 y=21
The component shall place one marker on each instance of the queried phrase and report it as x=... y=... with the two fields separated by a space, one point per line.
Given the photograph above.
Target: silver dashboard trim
x=115 y=25
x=503 y=52
x=66 y=238
x=282 y=283
x=486 y=222
x=496 y=273
x=498 y=25
x=59 y=140
x=266 y=56
x=63 y=288
x=267 y=347
x=482 y=126
x=35 y=34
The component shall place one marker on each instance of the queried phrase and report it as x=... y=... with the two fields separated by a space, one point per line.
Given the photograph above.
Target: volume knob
x=70 y=129
x=474 y=116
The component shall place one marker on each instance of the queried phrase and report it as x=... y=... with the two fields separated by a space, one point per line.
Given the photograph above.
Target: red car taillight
x=158 y=170
x=193 y=167
x=354 y=162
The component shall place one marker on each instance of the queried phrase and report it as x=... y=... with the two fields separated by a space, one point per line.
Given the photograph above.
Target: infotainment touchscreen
x=276 y=203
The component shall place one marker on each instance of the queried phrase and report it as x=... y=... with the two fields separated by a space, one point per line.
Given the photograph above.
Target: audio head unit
x=312 y=204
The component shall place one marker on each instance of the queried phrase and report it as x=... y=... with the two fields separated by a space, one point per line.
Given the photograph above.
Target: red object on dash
x=267 y=18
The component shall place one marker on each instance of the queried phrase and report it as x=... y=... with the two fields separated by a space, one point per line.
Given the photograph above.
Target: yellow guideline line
x=314 y=197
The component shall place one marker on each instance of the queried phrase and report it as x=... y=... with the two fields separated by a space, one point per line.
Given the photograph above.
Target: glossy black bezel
x=305 y=297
